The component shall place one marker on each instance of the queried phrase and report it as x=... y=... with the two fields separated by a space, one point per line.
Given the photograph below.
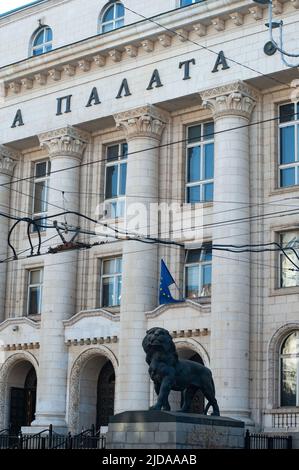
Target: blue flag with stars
x=166 y=280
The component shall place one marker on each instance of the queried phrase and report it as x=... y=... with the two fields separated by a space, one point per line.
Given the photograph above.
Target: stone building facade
x=108 y=106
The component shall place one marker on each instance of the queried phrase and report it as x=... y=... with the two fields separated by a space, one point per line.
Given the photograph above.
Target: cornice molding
x=91 y=314
x=146 y=121
x=202 y=308
x=124 y=44
x=19 y=321
x=67 y=141
x=236 y=99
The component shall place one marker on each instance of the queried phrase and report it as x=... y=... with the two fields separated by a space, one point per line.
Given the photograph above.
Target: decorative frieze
x=183 y=34
x=131 y=50
x=165 y=40
x=147 y=121
x=27 y=83
x=190 y=333
x=277 y=7
x=99 y=60
x=90 y=341
x=218 y=24
x=41 y=78
x=257 y=12
x=295 y=4
x=84 y=65
x=234 y=99
x=70 y=70
x=115 y=55
x=148 y=45
x=20 y=346
x=237 y=18
x=67 y=141
x=200 y=29
x=55 y=74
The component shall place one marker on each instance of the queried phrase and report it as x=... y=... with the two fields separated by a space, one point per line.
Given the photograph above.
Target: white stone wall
x=85 y=336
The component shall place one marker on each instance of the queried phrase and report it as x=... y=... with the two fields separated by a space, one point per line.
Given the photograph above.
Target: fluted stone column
x=65 y=148
x=143 y=128
x=7 y=164
x=232 y=107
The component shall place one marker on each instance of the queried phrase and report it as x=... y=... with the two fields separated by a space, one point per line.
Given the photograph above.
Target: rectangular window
x=288 y=145
x=42 y=172
x=198 y=272
x=200 y=163
x=289 y=276
x=34 y=292
x=111 y=281
x=116 y=179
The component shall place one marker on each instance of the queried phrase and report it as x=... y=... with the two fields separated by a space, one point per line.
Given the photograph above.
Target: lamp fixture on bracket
x=272 y=46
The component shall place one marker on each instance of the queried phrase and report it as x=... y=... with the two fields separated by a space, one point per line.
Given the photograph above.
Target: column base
x=44 y=420
x=38 y=429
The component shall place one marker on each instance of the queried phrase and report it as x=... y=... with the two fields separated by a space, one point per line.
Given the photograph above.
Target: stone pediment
x=19 y=333
x=178 y=308
x=92 y=327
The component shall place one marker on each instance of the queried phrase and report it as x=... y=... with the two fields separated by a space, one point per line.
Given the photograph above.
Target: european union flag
x=166 y=280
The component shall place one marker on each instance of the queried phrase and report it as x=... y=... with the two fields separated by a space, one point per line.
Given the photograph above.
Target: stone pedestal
x=170 y=430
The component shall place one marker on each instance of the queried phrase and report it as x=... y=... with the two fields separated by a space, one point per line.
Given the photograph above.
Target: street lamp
x=272 y=46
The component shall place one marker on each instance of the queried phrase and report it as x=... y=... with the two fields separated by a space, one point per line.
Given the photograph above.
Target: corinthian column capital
x=8 y=159
x=67 y=141
x=237 y=99
x=147 y=121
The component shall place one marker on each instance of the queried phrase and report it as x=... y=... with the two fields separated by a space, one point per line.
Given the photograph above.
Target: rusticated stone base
x=170 y=430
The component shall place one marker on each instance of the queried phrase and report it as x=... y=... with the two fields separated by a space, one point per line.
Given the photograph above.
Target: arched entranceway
x=96 y=393
x=175 y=398
x=22 y=396
x=105 y=395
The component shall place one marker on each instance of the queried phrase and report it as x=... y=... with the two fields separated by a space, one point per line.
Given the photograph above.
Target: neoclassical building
x=108 y=108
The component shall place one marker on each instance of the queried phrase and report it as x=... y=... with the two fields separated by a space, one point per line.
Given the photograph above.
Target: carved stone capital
x=8 y=159
x=237 y=99
x=67 y=141
x=147 y=121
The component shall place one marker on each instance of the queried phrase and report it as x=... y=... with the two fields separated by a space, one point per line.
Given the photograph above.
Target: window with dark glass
x=289 y=276
x=42 y=41
x=116 y=178
x=200 y=163
x=198 y=272
x=34 y=292
x=289 y=379
x=111 y=281
x=42 y=172
x=113 y=17
x=288 y=145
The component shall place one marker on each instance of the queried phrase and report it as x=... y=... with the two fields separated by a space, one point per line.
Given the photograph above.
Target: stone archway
x=188 y=348
x=83 y=386
x=273 y=367
x=13 y=373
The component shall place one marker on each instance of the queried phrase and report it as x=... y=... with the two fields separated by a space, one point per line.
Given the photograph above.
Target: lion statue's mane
x=168 y=372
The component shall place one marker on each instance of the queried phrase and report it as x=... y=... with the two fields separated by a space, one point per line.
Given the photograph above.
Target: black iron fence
x=49 y=439
x=266 y=441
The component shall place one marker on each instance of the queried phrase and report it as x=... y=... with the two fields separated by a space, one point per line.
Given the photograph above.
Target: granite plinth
x=173 y=430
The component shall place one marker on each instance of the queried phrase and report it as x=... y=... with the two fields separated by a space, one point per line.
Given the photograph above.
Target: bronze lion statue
x=168 y=372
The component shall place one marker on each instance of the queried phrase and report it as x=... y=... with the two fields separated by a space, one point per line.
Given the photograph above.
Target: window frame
x=200 y=143
x=115 y=275
x=200 y=264
x=45 y=44
x=280 y=260
x=34 y=285
x=192 y=3
x=36 y=181
x=114 y=20
x=281 y=357
x=295 y=164
x=122 y=159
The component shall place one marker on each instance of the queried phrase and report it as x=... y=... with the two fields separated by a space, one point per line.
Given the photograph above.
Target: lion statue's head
x=159 y=340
